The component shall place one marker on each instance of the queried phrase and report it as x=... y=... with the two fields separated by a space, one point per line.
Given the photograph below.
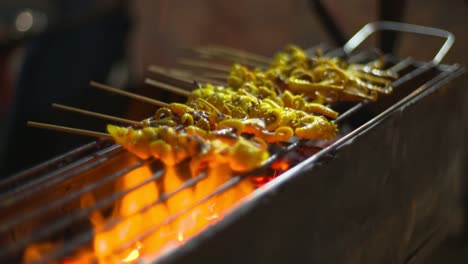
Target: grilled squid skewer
x=172 y=147
x=323 y=80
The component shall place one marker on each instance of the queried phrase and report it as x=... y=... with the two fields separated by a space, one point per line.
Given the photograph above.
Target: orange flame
x=132 y=220
x=117 y=239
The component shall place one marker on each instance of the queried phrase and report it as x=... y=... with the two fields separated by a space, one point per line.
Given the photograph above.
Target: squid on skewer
x=274 y=104
x=172 y=147
x=245 y=113
x=323 y=80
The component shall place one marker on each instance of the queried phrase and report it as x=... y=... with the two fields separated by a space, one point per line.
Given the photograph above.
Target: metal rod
x=51 y=179
x=69 y=197
x=85 y=238
x=350 y=111
x=399 y=66
x=98 y=115
x=227 y=185
x=371 y=28
x=78 y=215
x=81 y=240
x=395 y=84
x=219 y=190
x=128 y=94
x=237 y=179
x=10 y=181
x=163 y=197
x=68 y=249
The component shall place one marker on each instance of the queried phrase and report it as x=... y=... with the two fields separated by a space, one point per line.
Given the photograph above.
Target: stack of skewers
x=233 y=124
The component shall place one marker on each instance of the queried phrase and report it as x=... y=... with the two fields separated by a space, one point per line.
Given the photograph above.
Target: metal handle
x=373 y=27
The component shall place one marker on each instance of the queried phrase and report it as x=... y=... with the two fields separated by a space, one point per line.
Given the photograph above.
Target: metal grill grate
x=415 y=78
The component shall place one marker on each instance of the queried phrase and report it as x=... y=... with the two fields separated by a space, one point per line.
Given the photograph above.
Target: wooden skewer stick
x=215 y=75
x=98 y=115
x=167 y=87
x=235 y=54
x=229 y=58
x=241 y=53
x=169 y=71
x=186 y=76
x=209 y=80
x=205 y=65
x=70 y=130
x=174 y=74
x=128 y=94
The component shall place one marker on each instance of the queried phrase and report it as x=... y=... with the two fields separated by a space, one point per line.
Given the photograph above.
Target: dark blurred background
x=51 y=49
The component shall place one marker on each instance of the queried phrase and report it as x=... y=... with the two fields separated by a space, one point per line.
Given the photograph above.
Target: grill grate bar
x=413 y=74
x=235 y=180
x=224 y=187
x=77 y=215
x=86 y=237
x=74 y=195
x=350 y=112
x=227 y=185
x=37 y=185
x=14 y=179
x=230 y=183
x=67 y=249
x=219 y=190
x=401 y=65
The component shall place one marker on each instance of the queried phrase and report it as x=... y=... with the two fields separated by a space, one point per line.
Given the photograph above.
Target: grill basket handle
x=373 y=27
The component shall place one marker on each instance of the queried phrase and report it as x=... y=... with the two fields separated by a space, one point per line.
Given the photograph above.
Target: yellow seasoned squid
x=323 y=80
x=275 y=104
x=246 y=113
x=226 y=98
x=172 y=147
x=334 y=79
x=266 y=85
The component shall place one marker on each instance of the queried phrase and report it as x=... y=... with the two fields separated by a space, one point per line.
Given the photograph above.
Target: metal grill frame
x=295 y=219
x=448 y=73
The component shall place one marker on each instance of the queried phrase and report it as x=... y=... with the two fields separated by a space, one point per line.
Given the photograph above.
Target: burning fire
x=139 y=225
x=110 y=244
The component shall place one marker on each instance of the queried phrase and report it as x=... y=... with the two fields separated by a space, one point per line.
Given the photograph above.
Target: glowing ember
x=35 y=252
x=133 y=255
x=180 y=237
x=280 y=165
x=118 y=238
x=278 y=168
x=135 y=221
